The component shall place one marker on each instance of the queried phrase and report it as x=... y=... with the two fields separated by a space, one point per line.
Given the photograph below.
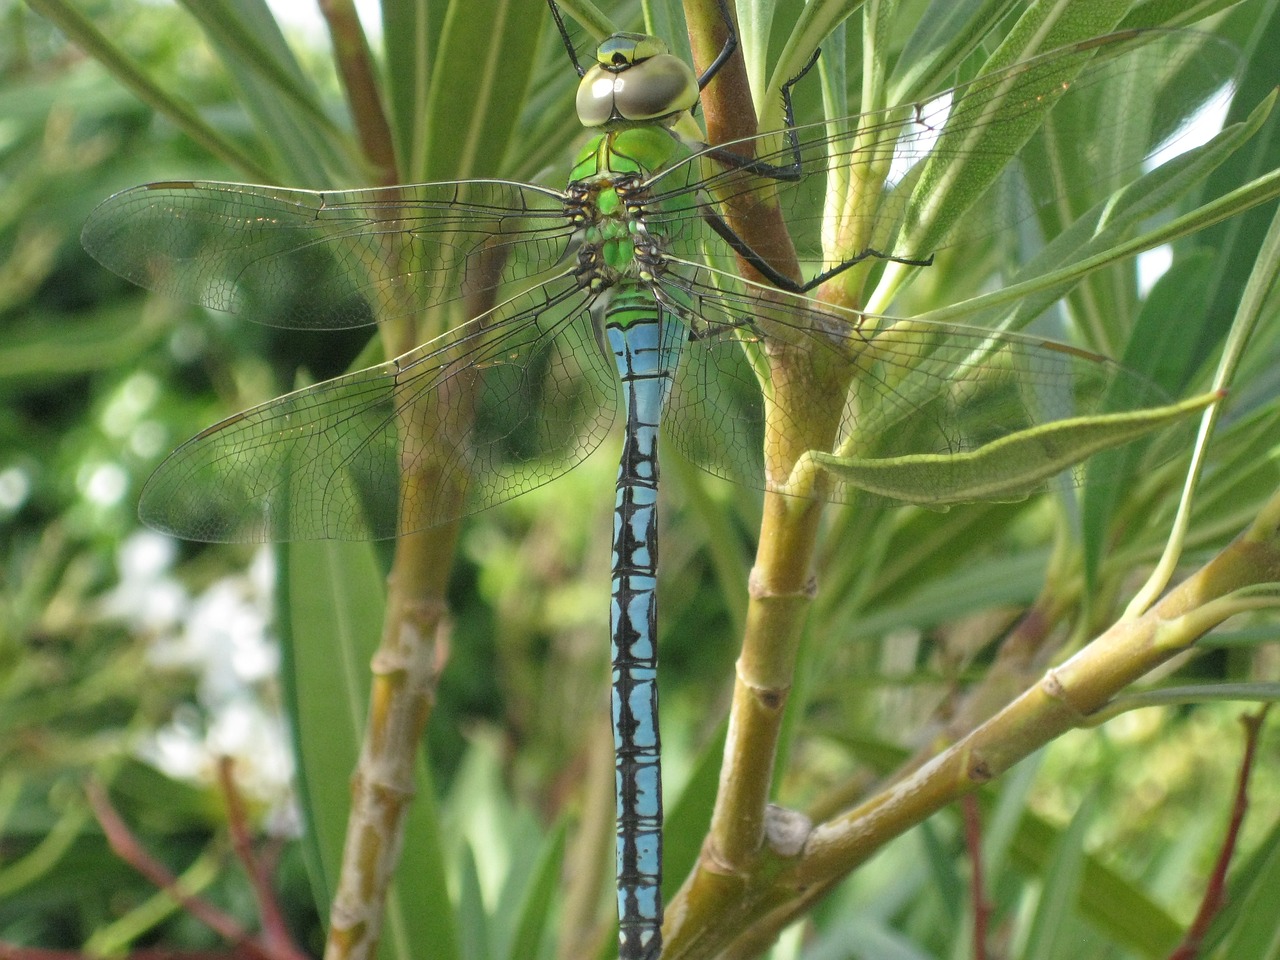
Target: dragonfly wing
x=326 y=259
x=892 y=388
x=495 y=407
x=943 y=168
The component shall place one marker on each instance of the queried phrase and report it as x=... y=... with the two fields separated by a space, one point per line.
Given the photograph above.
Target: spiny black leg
x=726 y=51
x=743 y=249
x=868 y=253
x=564 y=36
x=781 y=280
x=789 y=111
x=789 y=172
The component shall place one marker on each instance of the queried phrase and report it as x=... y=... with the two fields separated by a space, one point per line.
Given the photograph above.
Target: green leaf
x=1010 y=468
x=591 y=18
x=1003 y=820
x=970 y=158
x=1199 y=692
x=814 y=23
x=410 y=36
x=1236 y=241
x=303 y=151
x=1060 y=888
x=85 y=34
x=534 y=914
x=473 y=921
x=1109 y=901
x=247 y=29
x=479 y=82
x=1166 y=357
x=685 y=822
x=1109 y=225
x=330 y=625
x=1260 y=191
x=52 y=347
x=1175 y=13
x=944 y=872
x=940 y=40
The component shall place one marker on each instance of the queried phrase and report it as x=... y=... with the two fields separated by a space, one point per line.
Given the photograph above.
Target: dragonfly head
x=635 y=79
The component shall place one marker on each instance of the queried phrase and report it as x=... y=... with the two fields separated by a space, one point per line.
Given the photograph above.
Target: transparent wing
x=927 y=164
x=326 y=259
x=495 y=407
x=884 y=387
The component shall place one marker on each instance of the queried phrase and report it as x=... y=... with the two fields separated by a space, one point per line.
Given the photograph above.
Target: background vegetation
x=133 y=662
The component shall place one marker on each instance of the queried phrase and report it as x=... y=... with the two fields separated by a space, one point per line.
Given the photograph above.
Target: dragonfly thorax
x=604 y=265
x=614 y=239
x=635 y=79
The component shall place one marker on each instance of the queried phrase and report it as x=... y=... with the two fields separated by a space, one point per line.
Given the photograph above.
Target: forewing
x=326 y=259
x=499 y=405
x=889 y=388
x=906 y=181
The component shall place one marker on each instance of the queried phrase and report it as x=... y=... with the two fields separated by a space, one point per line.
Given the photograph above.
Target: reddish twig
x=1215 y=894
x=275 y=932
x=127 y=848
x=360 y=84
x=978 y=899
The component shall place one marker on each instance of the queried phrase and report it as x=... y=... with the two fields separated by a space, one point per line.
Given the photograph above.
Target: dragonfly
x=621 y=289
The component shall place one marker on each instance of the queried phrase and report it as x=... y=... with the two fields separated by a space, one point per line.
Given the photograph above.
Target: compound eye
x=655 y=87
x=651 y=89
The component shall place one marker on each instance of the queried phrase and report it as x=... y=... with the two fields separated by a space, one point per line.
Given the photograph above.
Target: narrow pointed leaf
x=1010 y=468
x=265 y=51
x=534 y=914
x=478 y=84
x=90 y=39
x=1061 y=888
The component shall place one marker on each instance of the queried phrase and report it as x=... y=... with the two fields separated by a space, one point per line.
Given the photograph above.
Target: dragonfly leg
x=743 y=250
x=790 y=171
x=726 y=51
x=564 y=36
x=787 y=172
x=774 y=171
x=781 y=280
x=869 y=253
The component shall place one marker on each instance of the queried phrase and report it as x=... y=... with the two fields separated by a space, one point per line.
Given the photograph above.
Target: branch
x=126 y=846
x=978 y=897
x=359 y=81
x=275 y=932
x=1215 y=893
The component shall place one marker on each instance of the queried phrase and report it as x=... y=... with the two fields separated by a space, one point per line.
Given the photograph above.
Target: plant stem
x=129 y=849
x=359 y=81
x=980 y=905
x=404 y=671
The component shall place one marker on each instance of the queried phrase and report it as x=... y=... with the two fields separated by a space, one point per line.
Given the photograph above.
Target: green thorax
x=627 y=155
x=637 y=151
